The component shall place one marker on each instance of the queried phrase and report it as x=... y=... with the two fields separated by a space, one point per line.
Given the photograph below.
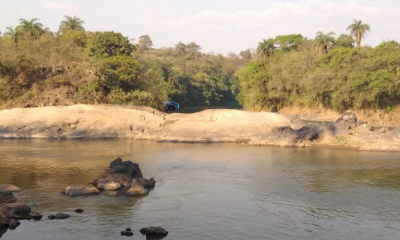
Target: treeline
x=40 y=67
x=325 y=71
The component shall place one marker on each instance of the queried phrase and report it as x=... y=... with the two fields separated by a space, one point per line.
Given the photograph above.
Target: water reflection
x=208 y=191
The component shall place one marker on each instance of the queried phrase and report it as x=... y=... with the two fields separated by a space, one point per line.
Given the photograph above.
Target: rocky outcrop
x=347 y=121
x=12 y=210
x=127 y=168
x=216 y=125
x=126 y=174
x=76 y=190
x=9 y=188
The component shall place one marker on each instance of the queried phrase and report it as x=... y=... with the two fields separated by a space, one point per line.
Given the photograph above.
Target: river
x=208 y=191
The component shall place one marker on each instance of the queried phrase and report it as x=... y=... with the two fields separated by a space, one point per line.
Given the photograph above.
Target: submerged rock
x=59 y=216
x=35 y=216
x=154 y=231
x=76 y=190
x=62 y=216
x=9 y=188
x=79 y=210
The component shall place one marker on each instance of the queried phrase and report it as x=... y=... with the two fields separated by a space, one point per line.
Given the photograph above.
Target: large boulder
x=76 y=190
x=126 y=168
x=9 y=188
x=17 y=210
x=137 y=189
x=347 y=121
x=11 y=208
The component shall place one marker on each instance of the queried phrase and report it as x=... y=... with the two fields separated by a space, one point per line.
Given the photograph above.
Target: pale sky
x=218 y=26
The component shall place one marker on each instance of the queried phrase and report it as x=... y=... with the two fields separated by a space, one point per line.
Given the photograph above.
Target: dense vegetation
x=40 y=67
x=326 y=71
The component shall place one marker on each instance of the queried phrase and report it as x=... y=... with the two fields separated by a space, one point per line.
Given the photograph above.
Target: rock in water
x=13 y=224
x=137 y=189
x=76 y=190
x=79 y=210
x=35 y=216
x=154 y=231
x=107 y=184
x=9 y=188
x=62 y=216
x=127 y=168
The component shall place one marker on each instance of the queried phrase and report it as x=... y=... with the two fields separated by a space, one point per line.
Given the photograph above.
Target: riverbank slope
x=215 y=125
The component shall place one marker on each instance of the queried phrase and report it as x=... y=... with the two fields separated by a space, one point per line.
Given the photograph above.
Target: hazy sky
x=218 y=26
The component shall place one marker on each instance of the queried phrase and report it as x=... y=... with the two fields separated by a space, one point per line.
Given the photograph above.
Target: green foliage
x=323 y=42
x=287 y=43
x=108 y=44
x=345 y=40
x=136 y=97
x=119 y=72
x=343 y=79
x=358 y=30
x=36 y=70
x=71 y=24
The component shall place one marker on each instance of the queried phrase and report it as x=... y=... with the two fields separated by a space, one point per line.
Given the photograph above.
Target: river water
x=208 y=191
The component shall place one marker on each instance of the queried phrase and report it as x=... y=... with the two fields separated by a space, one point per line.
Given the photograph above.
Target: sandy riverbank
x=216 y=125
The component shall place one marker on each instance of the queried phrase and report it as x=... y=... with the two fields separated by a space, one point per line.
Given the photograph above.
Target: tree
x=31 y=28
x=181 y=49
x=193 y=51
x=107 y=44
x=359 y=31
x=266 y=47
x=287 y=43
x=145 y=43
x=12 y=33
x=344 y=40
x=323 y=42
x=71 y=23
x=246 y=54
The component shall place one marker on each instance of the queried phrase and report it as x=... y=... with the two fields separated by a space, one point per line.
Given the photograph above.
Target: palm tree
x=323 y=42
x=266 y=47
x=31 y=28
x=359 y=31
x=71 y=23
x=12 y=33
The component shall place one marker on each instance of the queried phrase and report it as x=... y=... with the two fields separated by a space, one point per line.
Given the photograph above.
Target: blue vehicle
x=171 y=106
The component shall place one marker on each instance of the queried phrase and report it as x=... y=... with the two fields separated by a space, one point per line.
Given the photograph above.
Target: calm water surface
x=208 y=191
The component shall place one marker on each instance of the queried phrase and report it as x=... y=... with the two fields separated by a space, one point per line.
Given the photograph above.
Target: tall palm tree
x=266 y=47
x=31 y=28
x=323 y=42
x=71 y=23
x=359 y=31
